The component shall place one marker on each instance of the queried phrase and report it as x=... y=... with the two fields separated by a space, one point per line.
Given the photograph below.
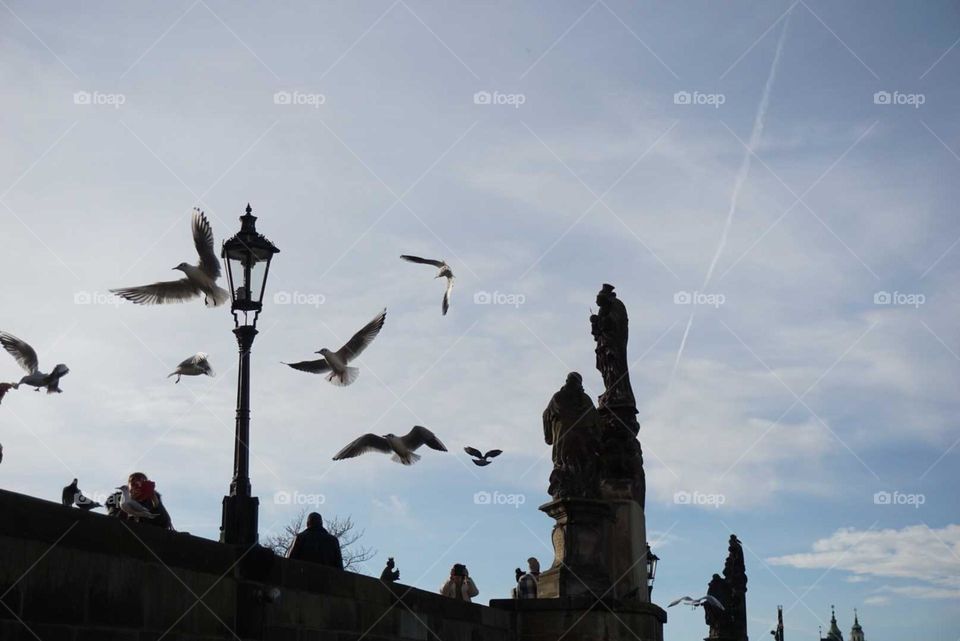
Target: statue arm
x=547 y=426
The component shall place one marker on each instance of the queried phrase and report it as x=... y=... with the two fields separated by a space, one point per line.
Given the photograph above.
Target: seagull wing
x=314 y=367
x=201 y=360
x=493 y=454
x=446 y=295
x=714 y=601
x=423 y=261
x=21 y=351
x=170 y=291
x=362 y=445
x=475 y=453
x=420 y=435
x=683 y=599
x=362 y=339
x=203 y=240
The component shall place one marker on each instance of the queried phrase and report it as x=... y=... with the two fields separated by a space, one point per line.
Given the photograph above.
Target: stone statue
x=571 y=425
x=622 y=457
x=729 y=624
x=389 y=575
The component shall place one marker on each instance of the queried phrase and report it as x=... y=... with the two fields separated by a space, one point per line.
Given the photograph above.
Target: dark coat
x=316 y=545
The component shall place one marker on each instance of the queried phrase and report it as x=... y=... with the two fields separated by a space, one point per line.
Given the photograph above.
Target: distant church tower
x=856 y=632
x=834 y=633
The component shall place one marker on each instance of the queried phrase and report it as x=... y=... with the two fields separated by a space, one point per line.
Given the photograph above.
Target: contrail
x=755 y=134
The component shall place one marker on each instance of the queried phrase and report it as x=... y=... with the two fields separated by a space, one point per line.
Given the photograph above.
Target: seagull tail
x=410 y=459
x=217 y=297
x=342 y=379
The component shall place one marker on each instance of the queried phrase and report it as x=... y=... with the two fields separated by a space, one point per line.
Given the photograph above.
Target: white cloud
x=929 y=559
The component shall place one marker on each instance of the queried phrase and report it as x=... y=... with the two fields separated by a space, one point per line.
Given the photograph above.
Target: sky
x=770 y=186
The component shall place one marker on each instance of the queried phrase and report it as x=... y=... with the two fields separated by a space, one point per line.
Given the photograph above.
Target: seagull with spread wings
x=444 y=272
x=26 y=356
x=694 y=603
x=198 y=279
x=336 y=362
x=194 y=366
x=481 y=459
x=402 y=447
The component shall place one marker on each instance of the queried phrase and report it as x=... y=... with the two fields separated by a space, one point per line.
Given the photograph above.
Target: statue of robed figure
x=571 y=425
x=622 y=456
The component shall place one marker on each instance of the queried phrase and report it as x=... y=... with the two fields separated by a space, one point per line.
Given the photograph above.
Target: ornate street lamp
x=651 y=571
x=247 y=258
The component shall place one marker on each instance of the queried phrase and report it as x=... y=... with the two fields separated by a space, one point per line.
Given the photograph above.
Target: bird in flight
x=402 y=447
x=198 y=279
x=444 y=272
x=336 y=362
x=481 y=459
x=26 y=356
x=193 y=366
x=6 y=387
x=704 y=600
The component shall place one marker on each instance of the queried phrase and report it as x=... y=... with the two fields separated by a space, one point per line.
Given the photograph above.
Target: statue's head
x=606 y=294
x=390 y=562
x=574 y=381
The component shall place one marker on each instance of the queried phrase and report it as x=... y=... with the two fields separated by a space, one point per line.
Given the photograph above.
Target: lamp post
x=651 y=571
x=247 y=258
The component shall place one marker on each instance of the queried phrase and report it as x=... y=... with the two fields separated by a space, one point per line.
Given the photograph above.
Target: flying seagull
x=445 y=272
x=198 y=279
x=336 y=362
x=704 y=600
x=1 y=453
x=481 y=459
x=132 y=507
x=4 y=388
x=193 y=366
x=26 y=356
x=402 y=447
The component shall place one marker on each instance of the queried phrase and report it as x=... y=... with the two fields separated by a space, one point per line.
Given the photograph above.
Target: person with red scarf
x=144 y=492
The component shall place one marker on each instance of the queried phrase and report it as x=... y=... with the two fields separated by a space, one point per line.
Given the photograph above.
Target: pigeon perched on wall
x=198 y=279
x=704 y=600
x=193 y=366
x=336 y=362
x=4 y=388
x=402 y=447
x=66 y=496
x=27 y=359
x=481 y=459
x=131 y=507
x=444 y=272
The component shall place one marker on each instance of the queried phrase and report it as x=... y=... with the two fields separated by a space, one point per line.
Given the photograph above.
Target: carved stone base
x=626 y=543
x=579 y=544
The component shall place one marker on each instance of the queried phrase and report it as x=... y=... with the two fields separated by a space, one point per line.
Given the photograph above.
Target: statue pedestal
x=580 y=565
x=583 y=619
x=626 y=543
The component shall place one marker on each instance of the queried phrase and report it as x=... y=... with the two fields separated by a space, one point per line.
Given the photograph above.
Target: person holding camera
x=459 y=586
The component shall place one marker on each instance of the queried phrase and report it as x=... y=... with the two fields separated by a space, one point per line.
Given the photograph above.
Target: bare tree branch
x=354 y=555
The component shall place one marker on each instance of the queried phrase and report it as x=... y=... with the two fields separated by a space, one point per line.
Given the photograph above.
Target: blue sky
x=798 y=394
